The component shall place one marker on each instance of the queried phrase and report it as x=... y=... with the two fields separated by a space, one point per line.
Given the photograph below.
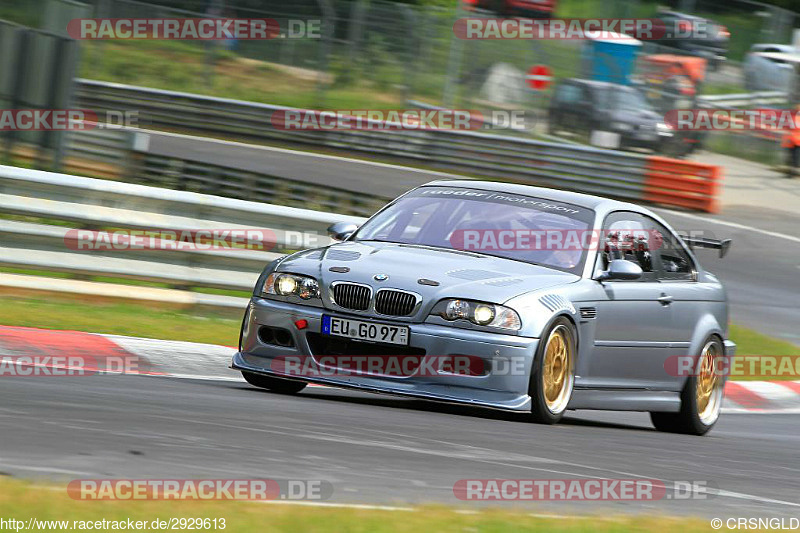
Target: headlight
x=457 y=309
x=480 y=313
x=663 y=127
x=483 y=314
x=282 y=284
x=286 y=285
x=621 y=126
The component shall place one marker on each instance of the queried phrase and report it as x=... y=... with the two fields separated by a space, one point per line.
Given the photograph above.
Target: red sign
x=539 y=77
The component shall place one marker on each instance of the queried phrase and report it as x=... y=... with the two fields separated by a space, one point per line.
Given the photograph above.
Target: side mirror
x=621 y=269
x=341 y=230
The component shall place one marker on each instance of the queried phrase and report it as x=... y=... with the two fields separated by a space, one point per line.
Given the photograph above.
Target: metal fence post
x=23 y=58
x=453 y=62
x=413 y=44
x=328 y=27
x=355 y=29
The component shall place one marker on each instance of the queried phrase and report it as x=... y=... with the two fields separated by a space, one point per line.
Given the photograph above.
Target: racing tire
x=281 y=386
x=701 y=397
x=553 y=373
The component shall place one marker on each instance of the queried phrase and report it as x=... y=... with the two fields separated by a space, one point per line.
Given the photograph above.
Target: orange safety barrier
x=682 y=183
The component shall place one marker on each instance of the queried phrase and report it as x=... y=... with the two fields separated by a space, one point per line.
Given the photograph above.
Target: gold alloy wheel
x=557 y=370
x=708 y=391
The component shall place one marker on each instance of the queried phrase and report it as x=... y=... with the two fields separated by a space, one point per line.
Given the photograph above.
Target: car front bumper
x=652 y=139
x=509 y=357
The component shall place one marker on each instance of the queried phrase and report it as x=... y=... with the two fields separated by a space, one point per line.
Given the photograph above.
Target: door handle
x=665 y=299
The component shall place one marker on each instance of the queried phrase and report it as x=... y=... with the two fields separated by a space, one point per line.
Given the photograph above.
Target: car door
x=676 y=272
x=766 y=71
x=633 y=329
x=558 y=104
x=584 y=110
x=569 y=97
x=670 y=23
x=775 y=74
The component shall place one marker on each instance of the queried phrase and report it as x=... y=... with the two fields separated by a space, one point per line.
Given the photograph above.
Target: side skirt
x=626 y=400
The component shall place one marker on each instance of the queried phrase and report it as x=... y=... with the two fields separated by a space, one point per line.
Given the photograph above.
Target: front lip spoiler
x=523 y=407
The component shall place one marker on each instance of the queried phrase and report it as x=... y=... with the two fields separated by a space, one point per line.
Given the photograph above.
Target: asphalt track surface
x=761 y=272
x=379 y=449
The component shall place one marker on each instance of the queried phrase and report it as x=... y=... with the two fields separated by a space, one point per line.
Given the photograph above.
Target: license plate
x=364 y=331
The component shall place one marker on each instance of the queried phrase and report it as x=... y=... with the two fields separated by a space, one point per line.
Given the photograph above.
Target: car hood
x=458 y=274
x=638 y=116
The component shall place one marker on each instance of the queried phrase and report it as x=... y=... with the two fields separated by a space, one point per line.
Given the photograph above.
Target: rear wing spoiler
x=701 y=242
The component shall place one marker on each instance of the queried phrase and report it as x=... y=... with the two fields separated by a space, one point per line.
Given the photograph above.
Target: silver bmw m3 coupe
x=502 y=296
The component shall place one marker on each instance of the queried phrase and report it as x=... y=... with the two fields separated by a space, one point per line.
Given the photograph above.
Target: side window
x=626 y=236
x=673 y=261
x=568 y=94
x=669 y=22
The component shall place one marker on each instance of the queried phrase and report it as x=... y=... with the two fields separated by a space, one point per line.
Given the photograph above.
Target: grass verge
x=22 y=501
x=751 y=342
x=219 y=326
x=133 y=319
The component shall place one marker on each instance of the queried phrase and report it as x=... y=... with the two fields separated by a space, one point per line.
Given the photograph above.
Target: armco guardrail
x=189 y=163
x=101 y=204
x=580 y=168
x=200 y=176
x=759 y=98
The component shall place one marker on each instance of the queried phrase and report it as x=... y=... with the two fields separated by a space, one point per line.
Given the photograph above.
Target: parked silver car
x=557 y=301
x=764 y=70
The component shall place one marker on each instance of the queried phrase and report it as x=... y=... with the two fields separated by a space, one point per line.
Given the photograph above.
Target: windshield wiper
x=464 y=252
x=443 y=249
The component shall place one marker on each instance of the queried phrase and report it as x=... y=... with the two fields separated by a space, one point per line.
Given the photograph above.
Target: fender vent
x=588 y=312
x=342 y=255
x=311 y=254
x=474 y=275
x=503 y=282
x=556 y=302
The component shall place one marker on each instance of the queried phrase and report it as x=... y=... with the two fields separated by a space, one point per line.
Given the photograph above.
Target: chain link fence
x=399 y=50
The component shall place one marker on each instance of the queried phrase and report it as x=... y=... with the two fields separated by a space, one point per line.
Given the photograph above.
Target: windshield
x=628 y=99
x=522 y=228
